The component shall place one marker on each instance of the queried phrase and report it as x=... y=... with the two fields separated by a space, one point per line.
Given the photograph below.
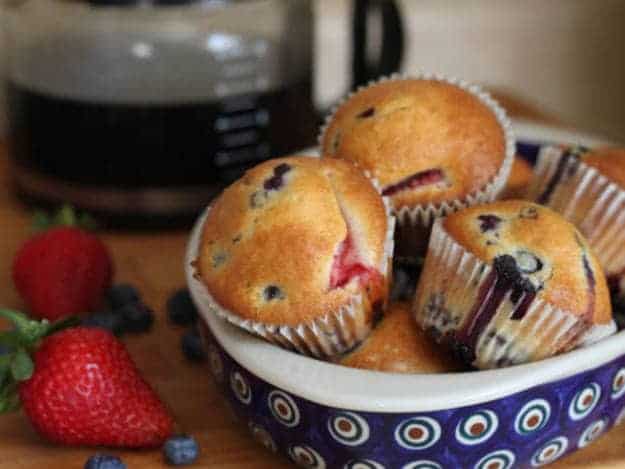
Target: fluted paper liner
x=331 y=334
x=586 y=198
x=422 y=216
x=450 y=291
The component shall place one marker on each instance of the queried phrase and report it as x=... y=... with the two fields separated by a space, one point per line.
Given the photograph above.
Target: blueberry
x=275 y=182
x=180 y=450
x=369 y=112
x=137 y=317
x=122 y=294
x=219 y=258
x=180 y=308
x=108 y=320
x=528 y=212
x=281 y=169
x=192 y=346
x=104 y=461
x=272 y=293
x=488 y=222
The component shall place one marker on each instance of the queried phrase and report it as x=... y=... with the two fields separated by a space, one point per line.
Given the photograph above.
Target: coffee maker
x=141 y=111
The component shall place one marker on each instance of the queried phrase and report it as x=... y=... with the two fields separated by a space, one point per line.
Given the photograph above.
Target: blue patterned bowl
x=323 y=415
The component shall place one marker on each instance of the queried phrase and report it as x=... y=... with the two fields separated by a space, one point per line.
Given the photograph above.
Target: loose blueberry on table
x=108 y=320
x=104 y=461
x=137 y=317
x=180 y=308
x=192 y=347
x=122 y=294
x=180 y=450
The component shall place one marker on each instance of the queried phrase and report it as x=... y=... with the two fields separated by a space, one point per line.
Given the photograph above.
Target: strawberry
x=82 y=388
x=62 y=271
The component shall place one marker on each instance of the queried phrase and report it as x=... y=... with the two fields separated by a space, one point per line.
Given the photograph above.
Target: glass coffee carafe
x=143 y=111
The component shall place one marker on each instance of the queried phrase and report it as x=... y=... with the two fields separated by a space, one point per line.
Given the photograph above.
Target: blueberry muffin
x=511 y=282
x=434 y=145
x=297 y=251
x=588 y=188
x=519 y=180
x=398 y=345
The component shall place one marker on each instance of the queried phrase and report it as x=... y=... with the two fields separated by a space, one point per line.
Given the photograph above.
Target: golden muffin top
x=609 y=161
x=425 y=141
x=520 y=177
x=539 y=250
x=398 y=345
x=294 y=239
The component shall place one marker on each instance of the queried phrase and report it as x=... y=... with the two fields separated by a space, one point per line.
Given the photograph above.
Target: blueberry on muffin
x=398 y=345
x=297 y=251
x=511 y=282
x=435 y=146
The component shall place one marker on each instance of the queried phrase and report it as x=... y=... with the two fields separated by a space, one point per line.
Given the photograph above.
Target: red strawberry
x=83 y=388
x=62 y=271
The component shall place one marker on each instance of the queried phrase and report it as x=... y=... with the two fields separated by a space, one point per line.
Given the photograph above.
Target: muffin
x=588 y=188
x=297 y=251
x=519 y=180
x=397 y=345
x=435 y=145
x=511 y=282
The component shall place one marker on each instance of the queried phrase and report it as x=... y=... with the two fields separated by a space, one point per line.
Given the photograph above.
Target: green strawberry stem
x=66 y=215
x=19 y=343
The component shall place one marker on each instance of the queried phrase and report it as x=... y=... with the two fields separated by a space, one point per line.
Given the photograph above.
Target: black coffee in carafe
x=154 y=121
x=142 y=112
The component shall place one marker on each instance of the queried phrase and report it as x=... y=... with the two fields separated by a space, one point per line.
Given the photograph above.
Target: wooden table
x=153 y=262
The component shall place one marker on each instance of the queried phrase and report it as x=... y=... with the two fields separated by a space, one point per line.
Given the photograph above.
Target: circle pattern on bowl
x=477 y=428
x=283 y=408
x=348 y=428
x=363 y=464
x=618 y=384
x=418 y=433
x=262 y=436
x=550 y=451
x=240 y=387
x=584 y=401
x=305 y=456
x=423 y=464
x=428 y=440
x=592 y=432
x=500 y=459
x=532 y=417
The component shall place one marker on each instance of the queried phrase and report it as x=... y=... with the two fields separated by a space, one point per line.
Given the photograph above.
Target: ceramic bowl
x=323 y=415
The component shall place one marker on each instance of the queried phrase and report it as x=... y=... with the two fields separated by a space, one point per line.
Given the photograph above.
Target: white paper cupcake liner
x=587 y=199
x=332 y=334
x=448 y=303
x=425 y=214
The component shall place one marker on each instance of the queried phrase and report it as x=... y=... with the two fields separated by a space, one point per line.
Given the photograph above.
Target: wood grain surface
x=153 y=262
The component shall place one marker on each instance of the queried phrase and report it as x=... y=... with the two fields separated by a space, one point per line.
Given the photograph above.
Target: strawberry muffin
x=397 y=345
x=298 y=251
x=511 y=282
x=588 y=188
x=434 y=145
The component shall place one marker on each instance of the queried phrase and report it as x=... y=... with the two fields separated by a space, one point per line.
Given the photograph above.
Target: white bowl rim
x=364 y=390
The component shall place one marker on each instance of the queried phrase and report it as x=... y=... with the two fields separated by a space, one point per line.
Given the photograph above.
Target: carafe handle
x=392 y=44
